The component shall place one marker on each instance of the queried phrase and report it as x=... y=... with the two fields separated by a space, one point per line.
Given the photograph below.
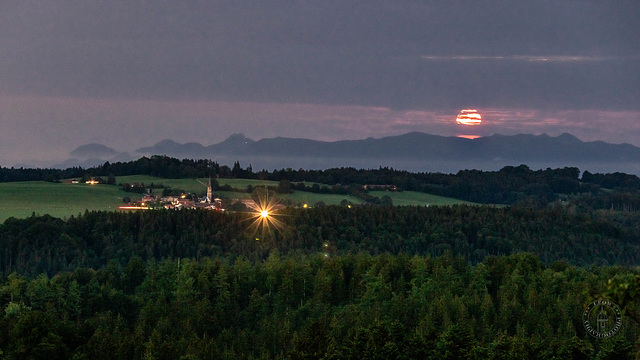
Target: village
x=184 y=201
x=149 y=201
x=249 y=200
x=177 y=202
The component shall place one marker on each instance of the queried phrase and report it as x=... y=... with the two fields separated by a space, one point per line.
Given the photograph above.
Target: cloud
x=329 y=52
x=528 y=58
x=333 y=69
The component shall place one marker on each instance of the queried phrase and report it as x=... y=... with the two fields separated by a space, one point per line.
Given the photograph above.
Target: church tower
x=209 y=191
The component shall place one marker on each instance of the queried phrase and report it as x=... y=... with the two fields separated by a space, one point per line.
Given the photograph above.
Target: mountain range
x=414 y=145
x=412 y=148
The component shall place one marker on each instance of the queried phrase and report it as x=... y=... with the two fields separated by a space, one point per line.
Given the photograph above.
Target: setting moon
x=469 y=117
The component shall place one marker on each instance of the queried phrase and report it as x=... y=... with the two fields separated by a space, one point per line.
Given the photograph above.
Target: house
x=381 y=187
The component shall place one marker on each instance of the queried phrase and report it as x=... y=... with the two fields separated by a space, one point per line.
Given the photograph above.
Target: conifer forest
x=509 y=277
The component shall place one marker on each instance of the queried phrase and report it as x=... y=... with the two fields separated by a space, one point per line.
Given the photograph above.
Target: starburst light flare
x=264 y=216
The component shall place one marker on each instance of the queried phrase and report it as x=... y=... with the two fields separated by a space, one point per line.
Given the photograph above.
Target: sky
x=128 y=74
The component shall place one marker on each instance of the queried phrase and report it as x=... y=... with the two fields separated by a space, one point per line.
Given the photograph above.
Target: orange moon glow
x=469 y=117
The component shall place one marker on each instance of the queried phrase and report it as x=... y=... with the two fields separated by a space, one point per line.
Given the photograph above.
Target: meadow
x=197 y=186
x=22 y=199
x=415 y=198
x=399 y=198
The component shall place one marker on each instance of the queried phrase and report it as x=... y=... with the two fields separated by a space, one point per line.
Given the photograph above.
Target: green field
x=22 y=199
x=192 y=185
x=405 y=198
x=301 y=197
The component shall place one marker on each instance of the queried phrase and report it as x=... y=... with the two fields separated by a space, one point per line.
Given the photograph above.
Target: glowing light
x=470 y=137
x=264 y=213
x=469 y=117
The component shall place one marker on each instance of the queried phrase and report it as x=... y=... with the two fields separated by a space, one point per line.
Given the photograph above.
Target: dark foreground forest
x=372 y=282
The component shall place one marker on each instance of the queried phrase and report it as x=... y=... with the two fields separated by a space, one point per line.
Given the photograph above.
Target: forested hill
x=48 y=245
x=506 y=186
x=355 y=306
x=332 y=282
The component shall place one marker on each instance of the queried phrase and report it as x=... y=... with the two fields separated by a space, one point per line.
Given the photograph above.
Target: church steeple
x=209 y=191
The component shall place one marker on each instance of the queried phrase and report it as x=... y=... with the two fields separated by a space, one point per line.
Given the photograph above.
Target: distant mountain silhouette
x=91 y=155
x=523 y=148
x=167 y=147
x=413 y=151
x=233 y=144
x=93 y=151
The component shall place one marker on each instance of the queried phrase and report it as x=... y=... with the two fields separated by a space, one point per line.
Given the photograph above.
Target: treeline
x=616 y=181
x=160 y=166
x=49 y=245
x=356 y=306
x=625 y=201
x=27 y=174
x=510 y=185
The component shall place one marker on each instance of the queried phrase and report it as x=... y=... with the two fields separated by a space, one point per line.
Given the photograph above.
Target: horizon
x=500 y=121
x=468 y=137
x=95 y=154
